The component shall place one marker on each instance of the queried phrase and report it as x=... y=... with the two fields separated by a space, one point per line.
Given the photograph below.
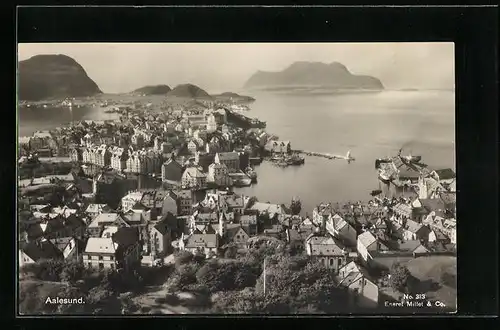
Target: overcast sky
x=219 y=67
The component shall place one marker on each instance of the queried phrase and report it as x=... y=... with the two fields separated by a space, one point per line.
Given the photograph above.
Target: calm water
x=370 y=125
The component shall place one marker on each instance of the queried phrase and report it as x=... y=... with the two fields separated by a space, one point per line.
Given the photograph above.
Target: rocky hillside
x=53 y=76
x=306 y=74
x=189 y=91
x=153 y=90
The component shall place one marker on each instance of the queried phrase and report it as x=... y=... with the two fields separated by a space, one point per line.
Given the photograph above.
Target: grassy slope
x=429 y=270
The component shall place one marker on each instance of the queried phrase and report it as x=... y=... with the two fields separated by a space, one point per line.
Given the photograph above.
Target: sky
x=221 y=67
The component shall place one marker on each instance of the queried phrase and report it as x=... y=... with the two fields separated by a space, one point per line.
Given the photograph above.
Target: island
x=189 y=91
x=313 y=75
x=152 y=90
x=234 y=97
x=44 y=77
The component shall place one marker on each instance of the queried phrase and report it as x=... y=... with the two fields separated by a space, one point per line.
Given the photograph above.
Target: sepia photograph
x=236 y=178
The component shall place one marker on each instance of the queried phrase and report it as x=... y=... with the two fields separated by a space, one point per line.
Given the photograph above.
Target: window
x=90 y=264
x=100 y=258
x=101 y=266
x=331 y=261
x=237 y=236
x=111 y=258
x=112 y=266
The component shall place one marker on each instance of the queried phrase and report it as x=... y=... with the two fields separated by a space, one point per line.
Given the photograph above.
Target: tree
x=182 y=258
x=72 y=271
x=296 y=206
x=231 y=251
x=399 y=276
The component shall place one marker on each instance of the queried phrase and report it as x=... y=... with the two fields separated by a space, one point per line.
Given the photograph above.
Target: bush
x=231 y=252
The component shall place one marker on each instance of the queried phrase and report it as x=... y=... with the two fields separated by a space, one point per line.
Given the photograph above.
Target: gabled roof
x=412 y=246
x=38 y=250
x=233 y=229
x=366 y=239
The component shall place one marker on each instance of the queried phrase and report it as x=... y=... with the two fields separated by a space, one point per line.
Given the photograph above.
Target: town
x=142 y=191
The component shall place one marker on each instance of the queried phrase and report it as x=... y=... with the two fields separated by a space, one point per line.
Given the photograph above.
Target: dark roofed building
x=444 y=174
x=38 y=250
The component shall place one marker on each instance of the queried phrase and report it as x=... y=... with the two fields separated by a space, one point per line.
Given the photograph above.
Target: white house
x=364 y=292
x=341 y=229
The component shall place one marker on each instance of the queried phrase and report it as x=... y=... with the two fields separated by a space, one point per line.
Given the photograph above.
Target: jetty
x=317 y=154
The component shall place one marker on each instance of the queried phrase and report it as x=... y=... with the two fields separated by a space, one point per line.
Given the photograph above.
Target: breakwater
x=317 y=154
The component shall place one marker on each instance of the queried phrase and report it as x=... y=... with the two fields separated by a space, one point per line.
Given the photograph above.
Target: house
x=76 y=155
x=119 y=158
x=193 y=177
x=169 y=204
x=94 y=210
x=171 y=170
x=230 y=159
x=415 y=231
x=219 y=175
x=341 y=229
x=97 y=225
x=353 y=277
x=367 y=243
x=203 y=160
x=413 y=247
x=330 y=252
x=160 y=238
x=131 y=199
x=249 y=223
x=401 y=213
x=185 y=201
x=275 y=146
x=193 y=146
x=233 y=203
x=447 y=226
x=275 y=212
x=71 y=247
x=275 y=230
x=206 y=244
x=120 y=251
x=236 y=234
x=38 y=250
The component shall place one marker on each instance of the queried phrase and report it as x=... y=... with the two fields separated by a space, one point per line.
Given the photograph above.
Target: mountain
x=153 y=90
x=53 y=76
x=227 y=96
x=189 y=91
x=306 y=74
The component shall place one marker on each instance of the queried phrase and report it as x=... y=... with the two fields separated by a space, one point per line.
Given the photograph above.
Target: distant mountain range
x=313 y=74
x=53 y=77
x=152 y=90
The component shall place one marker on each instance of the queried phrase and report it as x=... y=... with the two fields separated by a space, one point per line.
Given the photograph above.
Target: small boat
x=376 y=192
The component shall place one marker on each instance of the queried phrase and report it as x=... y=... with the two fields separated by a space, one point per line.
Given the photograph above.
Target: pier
x=317 y=154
